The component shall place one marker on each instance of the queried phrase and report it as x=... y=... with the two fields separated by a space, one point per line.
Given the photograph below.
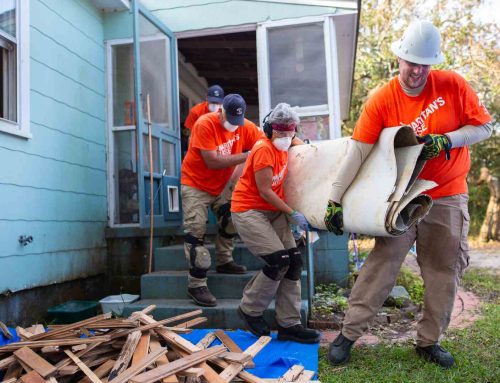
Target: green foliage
x=476 y=351
x=328 y=299
x=412 y=283
x=484 y=283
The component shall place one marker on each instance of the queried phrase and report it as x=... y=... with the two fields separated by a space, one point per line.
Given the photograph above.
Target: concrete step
x=172 y=257
x=224 y=315
x=173 y=284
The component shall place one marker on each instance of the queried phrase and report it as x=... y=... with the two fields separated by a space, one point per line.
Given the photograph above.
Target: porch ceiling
x=229 y=60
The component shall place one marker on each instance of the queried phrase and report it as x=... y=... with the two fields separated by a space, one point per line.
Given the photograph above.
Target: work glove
x=433 y=144
x=334 y=218
x=300 y=220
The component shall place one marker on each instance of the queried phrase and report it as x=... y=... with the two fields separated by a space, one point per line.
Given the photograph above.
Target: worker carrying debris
x=218 y=143
x=262 y=219
x=447 y=116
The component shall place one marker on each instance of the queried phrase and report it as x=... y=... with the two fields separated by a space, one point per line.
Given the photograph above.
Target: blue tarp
x=4 y=340
x=275 y=359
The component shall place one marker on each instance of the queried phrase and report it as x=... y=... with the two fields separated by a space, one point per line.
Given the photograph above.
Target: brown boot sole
x=200 y=303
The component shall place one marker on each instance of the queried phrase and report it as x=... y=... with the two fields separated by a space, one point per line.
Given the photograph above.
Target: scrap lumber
x=101 y=371
x=5 y=331
x=5 y=363
x=229 y=343
x=14 y=371
x=12 y=380
x=162 y=360
x=233 y=369
x=178 y=365
x=34 y=361
x=36 y=329
x=32 y=377
x=207 y=341
x=87 y=371
x=77 y=325
x=292 y=374
x=193 y=372
x=306 y=376
x=125 y=355
x=54 y=342
x=191 y=323
x=141 y=365
x=23 y=334
x=142 y=348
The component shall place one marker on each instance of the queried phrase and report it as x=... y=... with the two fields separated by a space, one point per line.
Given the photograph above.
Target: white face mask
x=282 y=143
x=230 y=127
x=214 y=107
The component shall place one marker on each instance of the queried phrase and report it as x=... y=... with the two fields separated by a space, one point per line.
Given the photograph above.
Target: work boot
x=340 y=350
x=231 y=268
x=298 y=333
x=436 y=354
x=202 y=296
x=256 y=325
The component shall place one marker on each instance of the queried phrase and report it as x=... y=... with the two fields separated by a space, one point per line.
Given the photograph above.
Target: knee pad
x=277 y=265
x=199 y=256
x=226 y=227
x=296 y=264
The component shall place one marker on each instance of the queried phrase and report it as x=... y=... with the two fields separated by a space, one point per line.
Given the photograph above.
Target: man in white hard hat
x=447 y=117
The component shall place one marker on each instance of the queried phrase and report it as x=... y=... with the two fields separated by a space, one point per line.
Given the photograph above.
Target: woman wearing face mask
x=262 y=219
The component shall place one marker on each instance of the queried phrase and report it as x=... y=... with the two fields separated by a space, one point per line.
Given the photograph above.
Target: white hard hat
x=420 y=44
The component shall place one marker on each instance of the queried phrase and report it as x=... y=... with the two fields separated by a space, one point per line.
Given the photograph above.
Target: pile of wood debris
x=138 y=349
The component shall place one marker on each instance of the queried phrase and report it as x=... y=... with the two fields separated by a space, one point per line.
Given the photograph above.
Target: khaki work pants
x=264 y=233
x=195 y=204
x=442 y=254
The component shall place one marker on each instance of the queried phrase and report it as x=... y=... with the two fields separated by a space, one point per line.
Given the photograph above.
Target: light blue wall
x=53 y=186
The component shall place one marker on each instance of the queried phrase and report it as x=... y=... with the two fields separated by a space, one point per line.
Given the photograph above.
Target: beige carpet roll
x=385 y=198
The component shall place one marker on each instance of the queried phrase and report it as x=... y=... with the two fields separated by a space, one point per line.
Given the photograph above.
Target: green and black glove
x=433 y=145
x=334 y=218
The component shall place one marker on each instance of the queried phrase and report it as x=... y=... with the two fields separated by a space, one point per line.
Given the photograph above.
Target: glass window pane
x=168 y=150
x=297 y=65
x=8 y=81
x=156 y=164
x=314 y=128
x=123 y=85
x=155 y=72
x=8 y=17
x=125 y=162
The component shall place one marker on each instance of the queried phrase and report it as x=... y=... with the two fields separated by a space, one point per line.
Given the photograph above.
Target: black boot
x=298 y=333
x=436 y=354
x=256 y=325
x=340 y=350
x=202 y=296
x=231 y=268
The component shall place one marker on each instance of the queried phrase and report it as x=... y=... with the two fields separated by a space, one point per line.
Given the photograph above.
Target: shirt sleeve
x=203 y=137
x=252 y=135
x=474 y=112
x=371 y=121
x=263 y=158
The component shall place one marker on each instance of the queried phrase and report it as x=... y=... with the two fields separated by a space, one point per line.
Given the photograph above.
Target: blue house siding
x=53 y=186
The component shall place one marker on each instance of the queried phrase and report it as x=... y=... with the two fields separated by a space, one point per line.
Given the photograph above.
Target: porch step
x=172 y=257
x=173 y=284
x=224 y=315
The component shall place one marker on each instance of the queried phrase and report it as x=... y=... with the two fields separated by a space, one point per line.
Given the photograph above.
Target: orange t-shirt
x=209 y=134
x=246 y=195
x=446 y=103
x=196 y=112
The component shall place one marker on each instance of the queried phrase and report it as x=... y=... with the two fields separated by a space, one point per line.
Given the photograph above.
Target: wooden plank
x=234 y=369
x=140 y=366
x=11 y=380
x=23 y=334
x=162 y=360
x=138 y=315
x=191 y=323
x=50 y=349
x=146 y=310
x=177 y=365
x=52 y=380
x=207 y=341
x=78 y=347
x=32 y=377
x=142 y=348
x=56 y=342
x=229 y=343
x=6 y=362
x=148 y=327
x=101 y=371
x=34 y=361
x=87 y=371
x=5 y=331
x=306 y=376
x=14 y=371
x=292 y=374
x=126 y=354
x=53 y=334
x=209 y=373
x=192 y=372
x=64 y=362
x=236 y=357
x=36 y=329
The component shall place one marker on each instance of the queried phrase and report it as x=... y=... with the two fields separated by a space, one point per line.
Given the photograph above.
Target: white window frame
x=21 y=128
x=332 y=109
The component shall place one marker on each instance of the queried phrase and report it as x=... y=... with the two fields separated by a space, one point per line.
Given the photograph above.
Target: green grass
x=476 y=351
x=484 y=283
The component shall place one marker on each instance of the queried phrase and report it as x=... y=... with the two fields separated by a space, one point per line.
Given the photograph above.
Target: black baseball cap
x=235 y=106
x=215 y=94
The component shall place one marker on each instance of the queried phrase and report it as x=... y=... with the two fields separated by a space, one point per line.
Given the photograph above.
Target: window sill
x=13 y=129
